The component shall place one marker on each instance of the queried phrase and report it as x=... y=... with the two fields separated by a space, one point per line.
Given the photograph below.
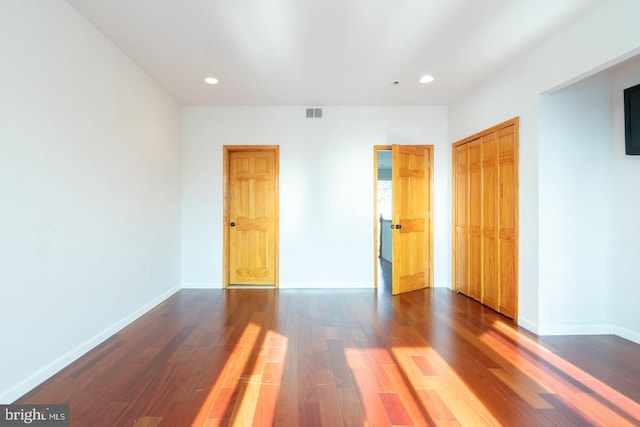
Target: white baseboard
x=627 y=334
x=576 y=329
x=304 y=285
x=440 y=284
x=581 y=330
x=288 y=285
x=201 y=285
x=10 y=395
x=326 y=285
x=528 y=325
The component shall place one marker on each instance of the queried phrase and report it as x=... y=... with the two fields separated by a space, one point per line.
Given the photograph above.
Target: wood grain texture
x=485 y=217
x=251 y=203
x=412 y=241
x=249 y=357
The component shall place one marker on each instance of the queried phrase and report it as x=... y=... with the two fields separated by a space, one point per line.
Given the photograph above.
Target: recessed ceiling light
x=211 y=80
x=395 y=83
x=426 y=79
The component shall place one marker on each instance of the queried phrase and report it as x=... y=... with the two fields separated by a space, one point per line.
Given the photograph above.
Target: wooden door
x=411 y=182
x=251 y=220
x=507 y=222
x=461 y=222
x=490 y=220
x=485 y=217
x=475 y=219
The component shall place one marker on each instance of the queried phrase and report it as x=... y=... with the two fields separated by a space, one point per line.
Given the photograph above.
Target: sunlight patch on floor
x=237 y=393
x=589 y=396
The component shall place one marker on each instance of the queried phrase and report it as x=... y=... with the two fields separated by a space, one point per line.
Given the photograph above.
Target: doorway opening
x=383 y=212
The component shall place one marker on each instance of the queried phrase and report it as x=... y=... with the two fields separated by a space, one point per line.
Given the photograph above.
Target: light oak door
x=475 y=219
x=461 y=219
x=489 y=220
x=411 y=249
x=507 y=223
x=251 y=220
x=485 y=217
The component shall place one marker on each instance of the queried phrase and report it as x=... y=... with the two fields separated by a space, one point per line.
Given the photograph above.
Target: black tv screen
x=632 y=120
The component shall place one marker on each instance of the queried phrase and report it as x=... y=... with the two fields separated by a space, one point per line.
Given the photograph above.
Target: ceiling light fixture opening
x=426 y=79
x=211 y=80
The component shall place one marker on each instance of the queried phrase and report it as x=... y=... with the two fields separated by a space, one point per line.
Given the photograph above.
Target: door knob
x=398 y=226
x=233 y=224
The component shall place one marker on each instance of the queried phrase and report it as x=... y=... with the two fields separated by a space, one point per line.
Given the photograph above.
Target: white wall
x=575 y=211
x=625 y=197
x=90 y=190
x=326 y=187
x=588 y=217
x=605 y=35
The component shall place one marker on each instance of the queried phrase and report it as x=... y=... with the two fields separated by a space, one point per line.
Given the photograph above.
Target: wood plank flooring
x=343 y=358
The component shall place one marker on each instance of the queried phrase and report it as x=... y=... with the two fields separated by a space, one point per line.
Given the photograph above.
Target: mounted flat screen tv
x=632 y=120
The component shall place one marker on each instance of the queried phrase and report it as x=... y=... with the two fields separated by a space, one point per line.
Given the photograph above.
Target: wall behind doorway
x=326 y=187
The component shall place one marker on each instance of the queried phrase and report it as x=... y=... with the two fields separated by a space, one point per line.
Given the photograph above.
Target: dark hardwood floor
x=343 y=357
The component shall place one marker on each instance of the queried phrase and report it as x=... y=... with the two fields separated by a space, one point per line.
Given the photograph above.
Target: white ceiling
x=324 y=52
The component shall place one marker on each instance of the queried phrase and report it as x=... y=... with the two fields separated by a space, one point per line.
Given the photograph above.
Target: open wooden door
x=412 y=201
x=251 y=215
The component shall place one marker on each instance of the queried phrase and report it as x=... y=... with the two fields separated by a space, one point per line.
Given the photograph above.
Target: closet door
x=475 y=219
x=490 y=220
x=485 y=217
x=460 y=212
x=507 y=222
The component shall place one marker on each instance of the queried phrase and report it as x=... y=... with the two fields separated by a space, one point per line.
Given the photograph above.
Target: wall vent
x=314 y=113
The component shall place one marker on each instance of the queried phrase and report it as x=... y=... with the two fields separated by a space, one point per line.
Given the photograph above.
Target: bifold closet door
x=485 y=215
x=460 y=212
x=507 y=232
x=490 y=220
x=475 y=219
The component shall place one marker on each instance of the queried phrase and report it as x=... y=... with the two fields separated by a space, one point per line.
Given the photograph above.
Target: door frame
x=227 y=150
x=376 y=222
